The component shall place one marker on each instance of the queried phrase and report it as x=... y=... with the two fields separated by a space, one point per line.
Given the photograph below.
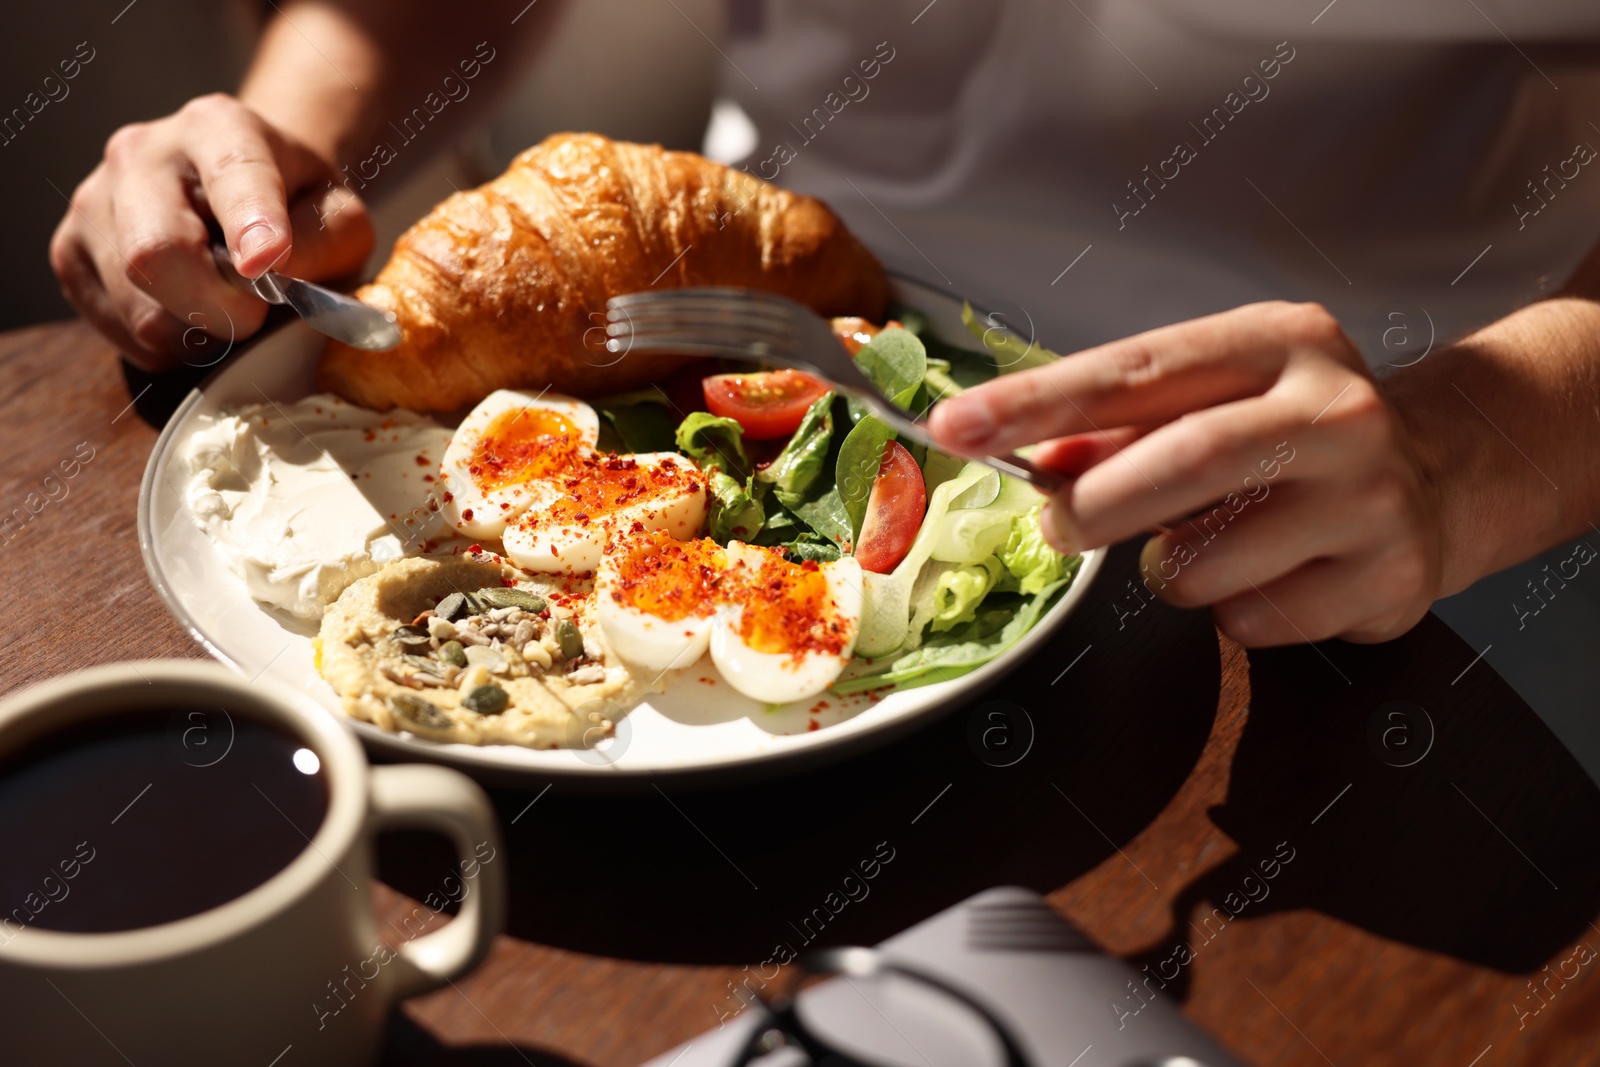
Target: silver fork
x=760 y=327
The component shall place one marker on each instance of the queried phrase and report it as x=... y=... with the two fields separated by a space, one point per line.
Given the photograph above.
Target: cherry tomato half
x=895 y=507
x=766 y=404
x=854 y=332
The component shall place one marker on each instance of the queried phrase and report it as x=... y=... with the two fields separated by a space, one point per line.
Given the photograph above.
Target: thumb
x=333 y=234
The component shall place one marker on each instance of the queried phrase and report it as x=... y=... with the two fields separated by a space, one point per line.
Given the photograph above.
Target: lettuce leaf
x=956 y=591
x=717 y=445
x=714 y=442
x=1011 y=353
x=1028 y=558
x=735 y=512
x=886 y=598
x=977 y=526
x=964 y=648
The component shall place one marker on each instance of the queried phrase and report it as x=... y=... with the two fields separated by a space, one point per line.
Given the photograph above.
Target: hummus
x=470 y=649
x=303 y=499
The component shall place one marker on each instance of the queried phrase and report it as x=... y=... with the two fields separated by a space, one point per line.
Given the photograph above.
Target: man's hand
x=1297 y=507
x=133 y=252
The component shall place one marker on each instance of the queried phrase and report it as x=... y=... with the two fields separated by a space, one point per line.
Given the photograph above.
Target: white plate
x=692 y=729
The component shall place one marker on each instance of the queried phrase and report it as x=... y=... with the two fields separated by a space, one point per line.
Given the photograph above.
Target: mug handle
x=440 y=799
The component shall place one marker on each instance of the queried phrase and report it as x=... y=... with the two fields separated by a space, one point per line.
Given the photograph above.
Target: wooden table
x=1423 y=905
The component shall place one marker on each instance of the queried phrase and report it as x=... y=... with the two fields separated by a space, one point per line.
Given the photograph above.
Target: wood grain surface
x=1440 y=888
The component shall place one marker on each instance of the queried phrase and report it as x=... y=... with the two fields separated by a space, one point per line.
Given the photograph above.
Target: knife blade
x=342 y=317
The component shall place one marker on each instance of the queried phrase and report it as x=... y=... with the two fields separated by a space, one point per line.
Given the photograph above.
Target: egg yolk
x=523 y=444
x=672 y=579
x=596 y=485
x=787 y=610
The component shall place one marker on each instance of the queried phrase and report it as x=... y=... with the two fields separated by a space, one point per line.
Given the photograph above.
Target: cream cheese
x=303 y=499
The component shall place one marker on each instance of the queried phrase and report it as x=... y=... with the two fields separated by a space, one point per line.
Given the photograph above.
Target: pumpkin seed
x=501 y=597
x=571 y=639
x=486 y=700
x=421 y=712
x=451 y=607
x=410 y=635
x=452 y=653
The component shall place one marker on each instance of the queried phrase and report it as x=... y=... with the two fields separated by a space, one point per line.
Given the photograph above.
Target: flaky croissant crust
x=505 y=286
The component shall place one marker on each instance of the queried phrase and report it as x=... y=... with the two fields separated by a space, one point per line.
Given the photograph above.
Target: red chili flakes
x=427 y=477
x=466 y=514
x=813 y=725
x=449 y=497
x=422 y=460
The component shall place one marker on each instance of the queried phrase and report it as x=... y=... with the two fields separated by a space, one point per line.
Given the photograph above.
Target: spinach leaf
x=796 y=468
x=895 y=361
x=825 y=513
x=635 y=421
x=857 y=468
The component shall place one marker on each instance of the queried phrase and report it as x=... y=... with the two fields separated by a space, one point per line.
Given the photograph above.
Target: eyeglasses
x=881 y=1013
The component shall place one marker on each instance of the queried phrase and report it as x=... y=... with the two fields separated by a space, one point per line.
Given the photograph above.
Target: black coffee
x=150 y=817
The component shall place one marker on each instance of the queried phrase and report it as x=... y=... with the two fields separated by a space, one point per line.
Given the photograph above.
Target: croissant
x=505 y=286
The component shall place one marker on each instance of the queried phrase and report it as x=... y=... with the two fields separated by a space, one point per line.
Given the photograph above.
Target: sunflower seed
x=587 y=675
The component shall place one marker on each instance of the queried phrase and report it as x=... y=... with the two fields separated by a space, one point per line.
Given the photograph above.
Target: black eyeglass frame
x=858 y=961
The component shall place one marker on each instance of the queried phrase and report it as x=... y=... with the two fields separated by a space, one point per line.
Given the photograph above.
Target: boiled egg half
x=656 y=597
x=503 y=449
x=792 y=629
x=778 y=631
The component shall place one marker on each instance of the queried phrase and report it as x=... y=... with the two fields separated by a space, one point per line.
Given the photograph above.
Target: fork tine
x=741 y=353
x=628 y=320
x=727 y=294
x=735 y=340
x=700 y=311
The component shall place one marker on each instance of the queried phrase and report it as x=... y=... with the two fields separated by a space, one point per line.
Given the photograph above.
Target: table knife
x=341 y=317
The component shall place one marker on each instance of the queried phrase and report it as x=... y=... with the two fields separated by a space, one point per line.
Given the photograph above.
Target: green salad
x=955 y=569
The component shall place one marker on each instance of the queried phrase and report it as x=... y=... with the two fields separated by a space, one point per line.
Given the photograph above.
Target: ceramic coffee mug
x=293 y=971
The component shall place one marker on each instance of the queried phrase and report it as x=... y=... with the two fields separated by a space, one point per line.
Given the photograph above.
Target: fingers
x=333 y=234
x=1361 y=598
x=80 y=284
x=1151 y=378
x=1220 y=553
x=237 y=161
x=1226 y=453
x=133 y=252
x=1074 y=455
x=168 y=248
